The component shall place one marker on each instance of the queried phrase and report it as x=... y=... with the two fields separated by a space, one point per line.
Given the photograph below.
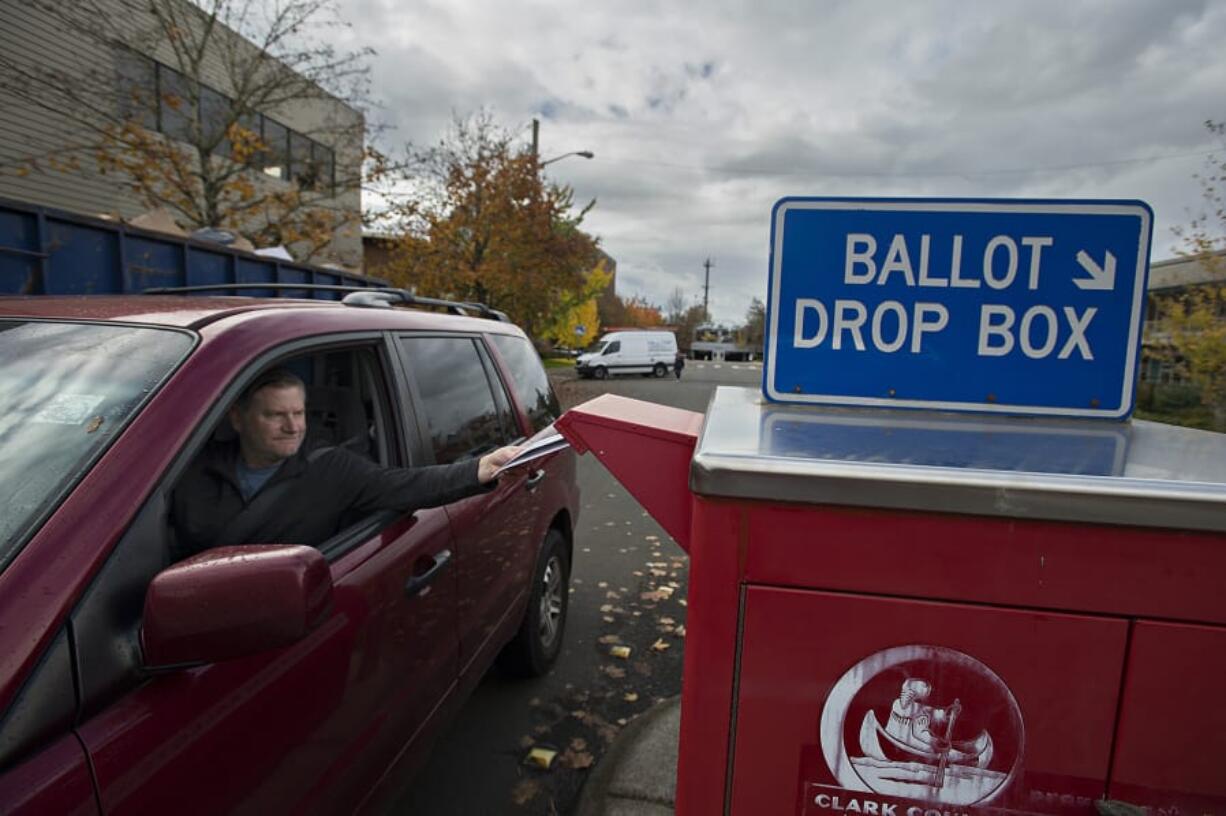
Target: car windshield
x=66 y=390
x=598 y=347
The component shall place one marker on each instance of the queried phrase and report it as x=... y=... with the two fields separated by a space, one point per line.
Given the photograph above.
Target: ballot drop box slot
x=911 y=613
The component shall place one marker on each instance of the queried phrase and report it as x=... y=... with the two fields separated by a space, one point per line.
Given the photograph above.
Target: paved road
x=628 y=588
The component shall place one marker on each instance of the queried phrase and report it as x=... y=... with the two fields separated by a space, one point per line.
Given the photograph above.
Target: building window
x=214 y=118
x=138 y=89
x=302 y=167
x=276 y=154
x=160 y=98
x=176 y=112
x=326 y=159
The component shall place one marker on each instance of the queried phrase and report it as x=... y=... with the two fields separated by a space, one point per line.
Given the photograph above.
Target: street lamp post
x=587 y=154
x=536 y=141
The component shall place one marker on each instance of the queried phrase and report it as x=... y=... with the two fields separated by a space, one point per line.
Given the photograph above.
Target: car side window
x=528 y=379
x=462 y=415
x=613 y=347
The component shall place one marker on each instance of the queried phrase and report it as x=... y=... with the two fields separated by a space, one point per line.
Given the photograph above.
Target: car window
x=613 y=347
x=528 y=379
x=457 y=397
x=66 y=390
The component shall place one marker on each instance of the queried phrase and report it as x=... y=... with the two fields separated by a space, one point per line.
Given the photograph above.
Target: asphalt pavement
x=621 y=660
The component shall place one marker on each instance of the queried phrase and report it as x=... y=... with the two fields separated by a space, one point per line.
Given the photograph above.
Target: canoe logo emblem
x=923 y=722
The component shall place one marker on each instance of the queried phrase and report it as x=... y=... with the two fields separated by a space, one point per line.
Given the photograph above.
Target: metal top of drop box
x=1135 y=473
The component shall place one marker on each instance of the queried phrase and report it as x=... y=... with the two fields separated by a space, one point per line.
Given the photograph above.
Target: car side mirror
x=231 y=602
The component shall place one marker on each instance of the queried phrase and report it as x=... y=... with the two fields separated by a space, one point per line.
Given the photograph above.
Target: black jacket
x=305 y=501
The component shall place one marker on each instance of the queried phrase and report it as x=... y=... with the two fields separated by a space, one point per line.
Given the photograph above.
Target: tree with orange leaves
x=641 y=312
x=479 y=222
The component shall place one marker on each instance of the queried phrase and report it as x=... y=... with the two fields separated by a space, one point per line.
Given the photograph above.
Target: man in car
x=262 y=488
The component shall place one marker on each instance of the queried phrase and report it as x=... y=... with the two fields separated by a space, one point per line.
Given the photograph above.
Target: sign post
x=1025 y=307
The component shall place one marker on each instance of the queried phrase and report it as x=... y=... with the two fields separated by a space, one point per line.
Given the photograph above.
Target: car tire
x=660 y=370
x=600 y=372
x=538 y=642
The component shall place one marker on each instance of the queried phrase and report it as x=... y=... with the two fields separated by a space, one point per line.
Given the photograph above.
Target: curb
x=593 y=800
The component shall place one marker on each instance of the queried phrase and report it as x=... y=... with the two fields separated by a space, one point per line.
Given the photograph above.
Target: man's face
x=272 y=426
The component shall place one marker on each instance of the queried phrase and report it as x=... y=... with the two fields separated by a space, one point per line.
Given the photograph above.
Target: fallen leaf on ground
x=607 y=639
x=660 y=645
x=578 y=744
x=667 y=621
x=541 y=757
x=576 y=759
x=613 y=671
x=620 y=651
x=525 y=791
x=630 y=697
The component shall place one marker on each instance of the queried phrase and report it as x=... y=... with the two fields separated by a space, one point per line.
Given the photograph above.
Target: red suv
x=264 y=677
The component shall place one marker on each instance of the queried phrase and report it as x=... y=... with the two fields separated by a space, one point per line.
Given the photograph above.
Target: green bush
x=1168 y=398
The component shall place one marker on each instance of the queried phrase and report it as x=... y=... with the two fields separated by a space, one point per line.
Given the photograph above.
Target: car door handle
x=535 y=479
x=417 y=583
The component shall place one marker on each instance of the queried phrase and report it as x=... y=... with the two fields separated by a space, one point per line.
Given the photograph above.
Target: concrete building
x=70 y=70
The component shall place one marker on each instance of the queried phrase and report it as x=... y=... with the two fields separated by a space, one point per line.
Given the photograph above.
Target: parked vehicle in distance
x=258 y=678
x=712 y=342
x=629 y=352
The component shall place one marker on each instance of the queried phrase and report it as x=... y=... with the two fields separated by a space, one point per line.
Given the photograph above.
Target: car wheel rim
x=551 y=602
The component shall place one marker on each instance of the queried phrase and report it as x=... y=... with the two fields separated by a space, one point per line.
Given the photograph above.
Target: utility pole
x=706 y=290
x=536 y=139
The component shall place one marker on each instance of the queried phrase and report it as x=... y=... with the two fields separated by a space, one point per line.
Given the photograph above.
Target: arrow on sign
x=1101 y=277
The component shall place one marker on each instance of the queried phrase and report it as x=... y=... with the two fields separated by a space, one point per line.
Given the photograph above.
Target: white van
x=629 y=352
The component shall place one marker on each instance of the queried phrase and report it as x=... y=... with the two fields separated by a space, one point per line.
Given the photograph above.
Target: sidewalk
x=638 y=775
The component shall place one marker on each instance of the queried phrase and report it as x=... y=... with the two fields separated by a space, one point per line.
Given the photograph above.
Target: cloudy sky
x=703 y=114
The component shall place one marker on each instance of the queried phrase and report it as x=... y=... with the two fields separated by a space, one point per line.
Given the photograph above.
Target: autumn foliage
x=1196 y=322
x=480 y=223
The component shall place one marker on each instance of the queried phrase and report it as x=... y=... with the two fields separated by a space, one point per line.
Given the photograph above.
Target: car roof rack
x=376 y=297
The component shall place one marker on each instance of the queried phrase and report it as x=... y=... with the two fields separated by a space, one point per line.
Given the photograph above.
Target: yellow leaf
x=541 y=757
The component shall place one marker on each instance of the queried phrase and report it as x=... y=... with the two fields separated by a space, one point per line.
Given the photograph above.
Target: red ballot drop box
x=929 y=614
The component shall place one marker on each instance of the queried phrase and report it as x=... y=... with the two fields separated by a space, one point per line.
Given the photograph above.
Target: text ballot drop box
x=924 y=613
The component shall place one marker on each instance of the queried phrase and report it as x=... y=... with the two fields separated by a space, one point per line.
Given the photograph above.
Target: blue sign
x=1026 y=307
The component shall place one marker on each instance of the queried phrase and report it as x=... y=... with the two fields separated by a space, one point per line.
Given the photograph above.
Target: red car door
x=312 y=727
x=497 y=532
x=55 y=780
